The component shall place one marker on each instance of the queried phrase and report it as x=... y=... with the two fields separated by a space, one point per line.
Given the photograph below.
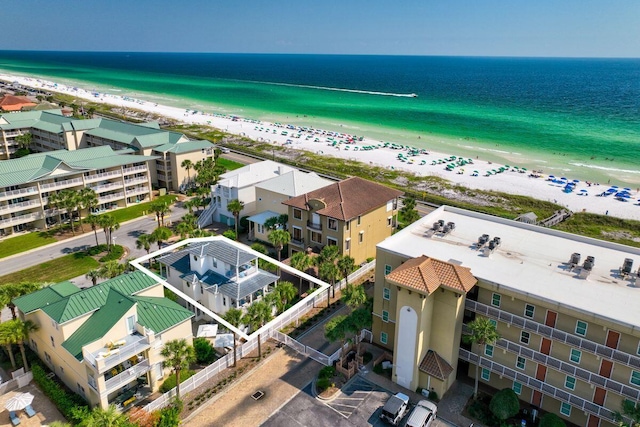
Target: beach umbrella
x=19 y=402
x=563 y=178
x=524 y=169
x=626 y=189
x=576 y=180
x=614 y=186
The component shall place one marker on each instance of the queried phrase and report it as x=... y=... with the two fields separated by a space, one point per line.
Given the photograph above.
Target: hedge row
x=69 y=404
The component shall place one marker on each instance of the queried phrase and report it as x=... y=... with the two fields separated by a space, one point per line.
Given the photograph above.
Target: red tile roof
x=347 y=199
x=428 y=274
x=15 y=103
x=433 y=364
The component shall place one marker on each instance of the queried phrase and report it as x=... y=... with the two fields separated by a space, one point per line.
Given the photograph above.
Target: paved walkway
x=280 y=377
x=46 y=412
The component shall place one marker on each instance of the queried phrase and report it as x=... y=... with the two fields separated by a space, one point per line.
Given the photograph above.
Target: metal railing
x=314 y=225
x=137 y=190
x=135 y=180
x=62 y=184
x=18 y=192
x=297 y=242
x=21 y=219
x=106 y=187
x=134 y=169
x=126 y=377
x=545 y=388
x=18 y=206
x=554 y=334
x=97 y=176
x=108 y=197
x=101 y=364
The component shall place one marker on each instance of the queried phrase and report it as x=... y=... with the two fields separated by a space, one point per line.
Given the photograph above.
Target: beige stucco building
x=104 y=342
x=570 y=340
x=353 y=214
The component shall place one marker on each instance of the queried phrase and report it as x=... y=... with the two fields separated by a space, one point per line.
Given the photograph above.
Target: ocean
x=573 y=117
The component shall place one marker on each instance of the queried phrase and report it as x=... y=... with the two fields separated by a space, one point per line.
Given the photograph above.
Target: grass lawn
x=132 y=212
x=54 y=271
x=229 y=164
x=25 y=242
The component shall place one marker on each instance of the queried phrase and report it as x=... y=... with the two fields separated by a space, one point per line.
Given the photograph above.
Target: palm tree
x=234 y=317
x=283 y=294
x=94 y=221
x=359 y=319
x=300 y=261
x=329 y=272
x=162 y=234
x=144 y=241
x=24 y=140
x=11 y=291
x=279 y=238
x=354 y=296
x=257 y=315
x=160 y=209
x=19 y=332
x=6 y=340
x=336 y=329
x=69 y=200
x=346 y=264
x=54 y=202
x=109 y=224
x=93 y=275
x=409 y=211
x=109 y=417
x=178 y=355
x=329 y=253
x=188 y=165
x=87 y=199
x=235 y=206
x=630 y=411
x=111 y=269
x=483 y=332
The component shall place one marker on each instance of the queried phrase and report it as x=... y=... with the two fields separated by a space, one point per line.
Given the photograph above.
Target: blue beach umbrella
x=614 y=186
x=626 y=189
x=576 y=180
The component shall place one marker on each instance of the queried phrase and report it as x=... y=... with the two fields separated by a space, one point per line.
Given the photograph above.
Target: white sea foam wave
x=604 y=168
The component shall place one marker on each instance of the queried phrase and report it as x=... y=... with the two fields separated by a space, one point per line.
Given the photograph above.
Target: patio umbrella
x=19 y=402
x=614 y=186
x=576 y=180
x=626 y=189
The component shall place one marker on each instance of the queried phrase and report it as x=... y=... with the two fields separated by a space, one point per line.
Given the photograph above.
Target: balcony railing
x=62 y=184
x=18 y=192
x=108 y=197
x=297 y=242
x=19 y=206
x=126 y=376
x=314 y=225
x=134 y=169
x=544 y=388
x=137 y=190
x=554 y=334
x=98 y=176
x=106 y=187
x=105 y=359
x=21 y=219
x=135 y=180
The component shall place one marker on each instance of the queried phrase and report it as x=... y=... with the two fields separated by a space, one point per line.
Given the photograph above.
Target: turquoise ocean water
x=573 y=117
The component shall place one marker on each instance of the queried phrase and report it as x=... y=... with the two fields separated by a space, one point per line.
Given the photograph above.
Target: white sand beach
x=472 y=173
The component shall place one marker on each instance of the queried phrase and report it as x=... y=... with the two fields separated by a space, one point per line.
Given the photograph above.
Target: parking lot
x=358 y=404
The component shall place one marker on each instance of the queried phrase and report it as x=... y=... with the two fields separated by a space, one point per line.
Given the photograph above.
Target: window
x=361 y=237
x=92 y=381
x=570 y=382
x=47 y=357
x=260 y=228
x=385 y=316
x=493 y=322
x=581 y=328
x=386 y=293
x=331 y=241
x=486 y=374
x=521 y=362
x=635 y=378
x=61 y=370
x=316 y=237
x=131 y=324
x=359 y=220
x=525 y=337
x=387 y=269
x=347 y=224
x=297 y=234
x=529 y=310
x=383 y=337
x=53 y=342
x=34 y=346
x=332 y=223
x=575 y=355
x=54 y=324
x=297 y=213
x=495 y=300
x=347 y=244
x=517 y=387
x=488 y=350
x=389 y=221
x=565 y=409
x=80 y=389
x=224 y=301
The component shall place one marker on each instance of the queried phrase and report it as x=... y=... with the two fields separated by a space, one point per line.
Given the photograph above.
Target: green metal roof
x=93 y=298
x=184 y=147
x=44 y=296
x=160 y=314
x=99 y=323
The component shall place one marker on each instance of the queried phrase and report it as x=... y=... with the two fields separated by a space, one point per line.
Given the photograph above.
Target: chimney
x=280 y=170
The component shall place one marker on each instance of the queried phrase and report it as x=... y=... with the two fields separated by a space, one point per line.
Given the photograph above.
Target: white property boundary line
x=137 y=263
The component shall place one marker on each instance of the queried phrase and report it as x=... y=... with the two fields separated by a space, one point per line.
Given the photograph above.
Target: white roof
x=530 y=260
x=252 y=174
x=294 y=183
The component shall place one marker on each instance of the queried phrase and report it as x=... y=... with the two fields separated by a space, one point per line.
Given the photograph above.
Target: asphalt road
x=125 y=236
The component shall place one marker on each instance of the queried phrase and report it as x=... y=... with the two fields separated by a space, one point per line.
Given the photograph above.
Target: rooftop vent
x=493 y=244
x=589 y=263
x=627 y=266
x=574 y=261
x=482 y=240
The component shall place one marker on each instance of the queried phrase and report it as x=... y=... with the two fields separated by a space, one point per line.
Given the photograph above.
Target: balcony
x=19 y=192
x=314 y=225
x=137 y=190
x=297 y=241
x=108 y=197
x=106 y=358
x=135 y=180
x=134 y=169
x=99 y=176
x=126 y=376
x=15 y=207
x=22 y=219
x=62 y=184
x=106 y=187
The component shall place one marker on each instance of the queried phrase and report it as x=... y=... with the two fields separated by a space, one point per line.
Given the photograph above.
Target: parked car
x=225 y=150
x=423 y=414
x=395 y=408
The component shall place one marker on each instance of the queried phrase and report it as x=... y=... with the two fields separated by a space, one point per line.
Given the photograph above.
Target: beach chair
x=14 y=418
x=29 y=410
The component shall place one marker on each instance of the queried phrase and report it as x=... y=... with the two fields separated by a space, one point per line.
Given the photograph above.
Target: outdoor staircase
x=206 y=217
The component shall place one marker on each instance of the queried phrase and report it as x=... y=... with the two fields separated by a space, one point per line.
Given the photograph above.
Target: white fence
x=272 y=330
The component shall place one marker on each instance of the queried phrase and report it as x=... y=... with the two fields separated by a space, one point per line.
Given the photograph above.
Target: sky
x=547 y=28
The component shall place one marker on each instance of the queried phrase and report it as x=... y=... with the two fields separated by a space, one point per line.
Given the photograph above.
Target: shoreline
x=473 y=173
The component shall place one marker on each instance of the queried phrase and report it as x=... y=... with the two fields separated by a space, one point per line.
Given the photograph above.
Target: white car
x=423 y=414
x=395 y=408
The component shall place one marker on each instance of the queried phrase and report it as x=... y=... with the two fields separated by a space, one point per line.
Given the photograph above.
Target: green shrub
x=230 y=234
x=205 y=354
x=367 y=357
x=433 y=395
x=378 y=369
x=115 y=254
x=327 y=372
x=322 y=384
x=70 y=405
x=95 y=250
x=170 y=382
x=505 y=404
x=170 y=415
x=551 y=420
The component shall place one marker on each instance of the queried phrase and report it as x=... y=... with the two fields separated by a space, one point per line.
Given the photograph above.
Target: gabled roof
x=184 y=147
x=48 y=295
x=426 y=274
x=160 y=314
x=222 y=251
x=253 y=174
x=91 y=299
x=294 y=183
x=347 y=199
x=15 y=103
x=433 y=364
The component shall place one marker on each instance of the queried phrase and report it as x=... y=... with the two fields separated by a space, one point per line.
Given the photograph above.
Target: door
x=550 y=320
x=613 y=338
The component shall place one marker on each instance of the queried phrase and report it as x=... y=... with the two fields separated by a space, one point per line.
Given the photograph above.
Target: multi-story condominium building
x=104 y=342
x=118 y=179
x=217 y=275
x=566 y=308
x=271 y=193
x=353 y=214
x=239 y=184
x=50 y=130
